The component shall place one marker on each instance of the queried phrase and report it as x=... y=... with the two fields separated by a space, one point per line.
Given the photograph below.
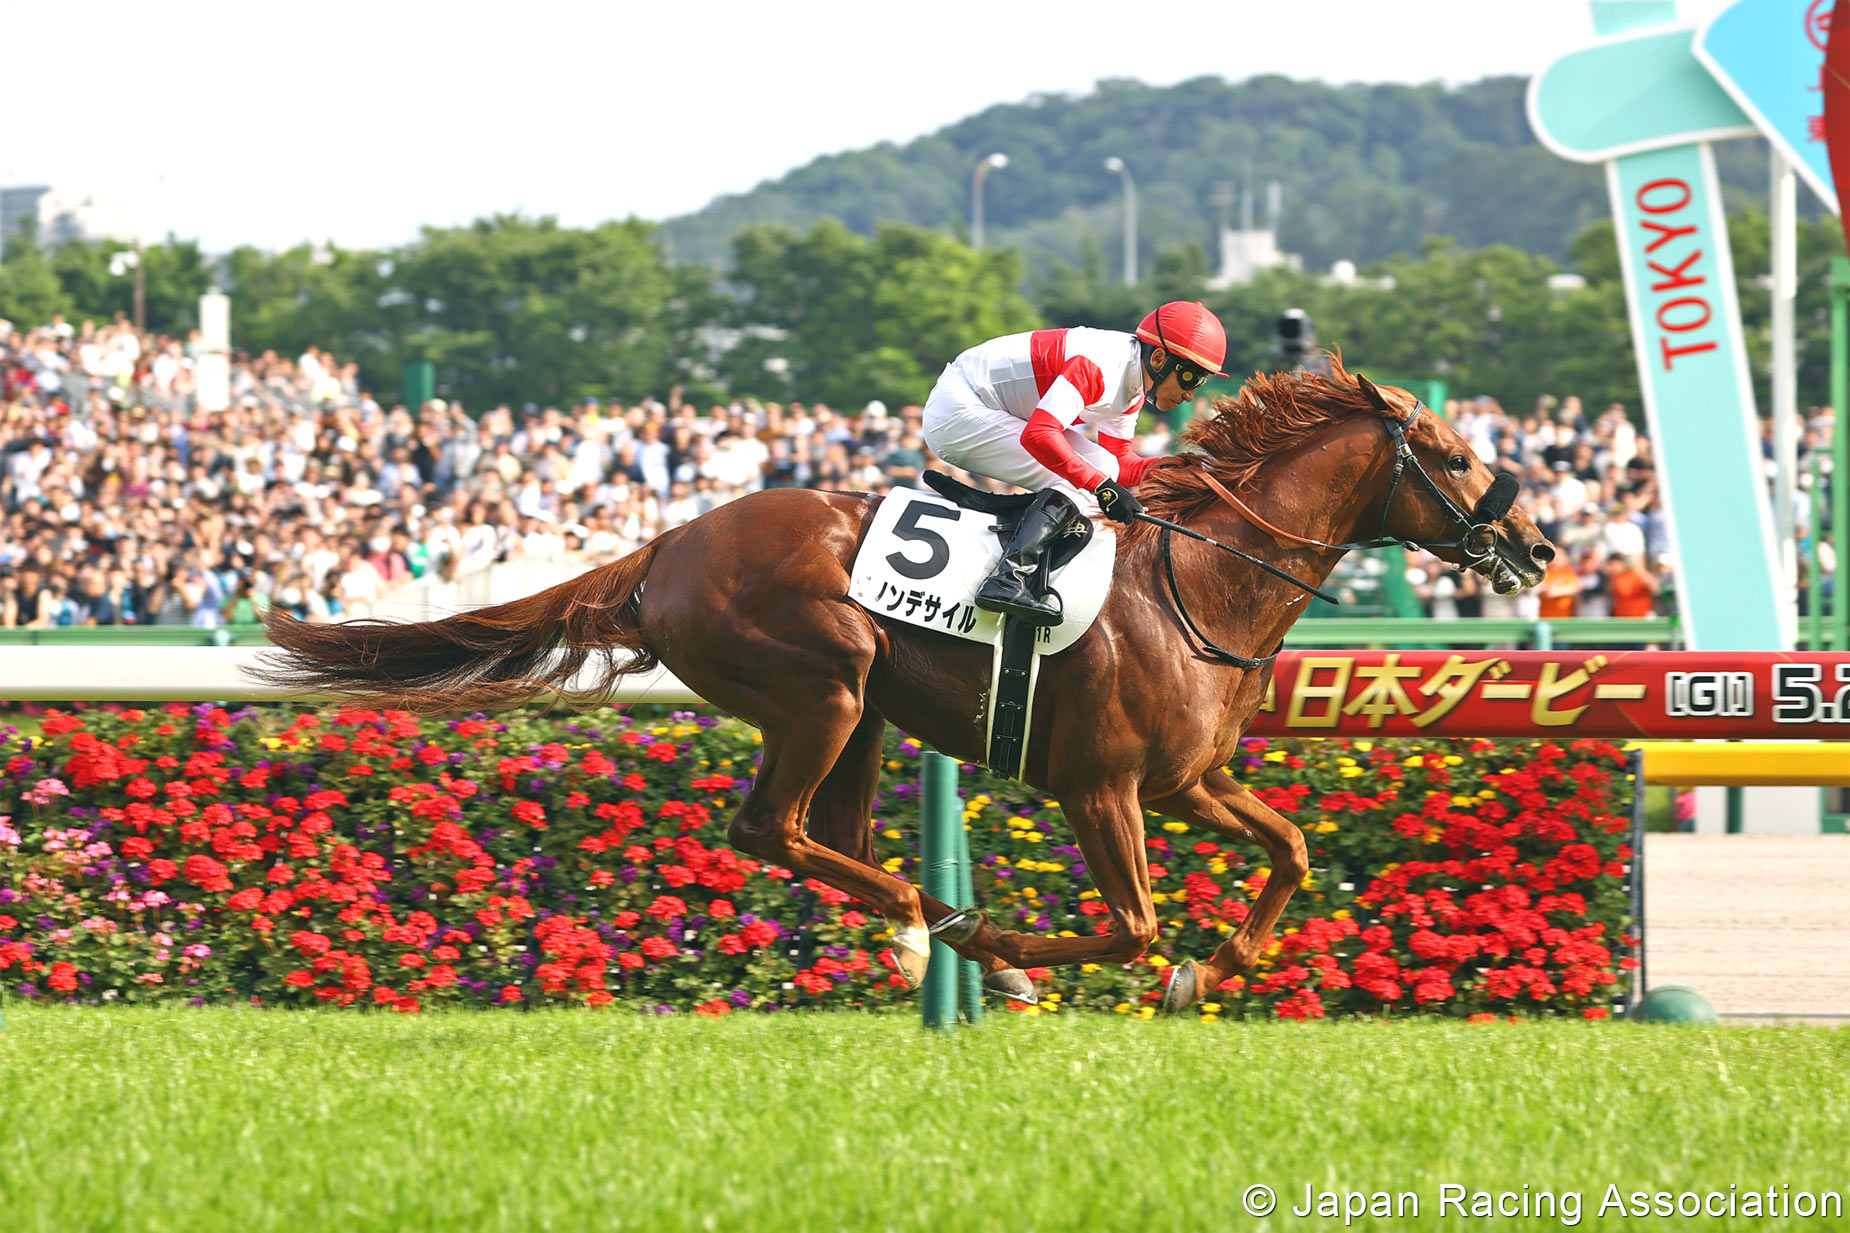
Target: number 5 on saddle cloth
x=921 y=562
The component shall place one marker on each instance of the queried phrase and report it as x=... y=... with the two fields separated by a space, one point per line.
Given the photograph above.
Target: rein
x=1478 y=540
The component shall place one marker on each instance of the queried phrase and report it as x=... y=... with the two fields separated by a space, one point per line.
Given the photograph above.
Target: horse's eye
x=1459 y=464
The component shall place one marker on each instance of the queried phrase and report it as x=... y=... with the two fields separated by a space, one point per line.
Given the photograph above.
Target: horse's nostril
x=1542 y=553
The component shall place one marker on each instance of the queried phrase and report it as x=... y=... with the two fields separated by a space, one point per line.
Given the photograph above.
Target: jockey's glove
x=1117 y=502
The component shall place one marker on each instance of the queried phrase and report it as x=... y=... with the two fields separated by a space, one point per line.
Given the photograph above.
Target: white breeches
x=965 y=433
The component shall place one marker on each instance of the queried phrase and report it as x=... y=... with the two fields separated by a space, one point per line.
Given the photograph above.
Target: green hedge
x=367 y=859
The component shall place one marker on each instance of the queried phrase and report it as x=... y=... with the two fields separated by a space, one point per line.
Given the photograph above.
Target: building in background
x=1247 y=249
x=62 y=215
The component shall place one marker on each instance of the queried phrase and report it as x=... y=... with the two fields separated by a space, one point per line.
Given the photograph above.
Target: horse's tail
x=475 y=660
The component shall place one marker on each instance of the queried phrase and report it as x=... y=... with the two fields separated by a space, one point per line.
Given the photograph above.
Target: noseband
x=1476 y=542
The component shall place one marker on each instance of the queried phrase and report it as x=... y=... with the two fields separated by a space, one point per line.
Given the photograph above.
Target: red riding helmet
x=1188 y=331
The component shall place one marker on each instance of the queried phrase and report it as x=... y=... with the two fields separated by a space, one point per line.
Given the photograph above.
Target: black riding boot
x=1019 y=585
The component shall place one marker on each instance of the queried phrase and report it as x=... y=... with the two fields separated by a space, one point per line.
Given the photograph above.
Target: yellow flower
x=1122 y=1008
x=1351 y=771
x=1364 y=746
x=1002 y=860
x=1052 y=997
x=1052 y=1008
x=892 y=863
x=893 y=764
x=889 y=833
x=1210 y=1018
x=658 y=731
x=1051 y=804
x=1088 y=894
x=1030 y=892
x=1157 y=961
x=1089 y=967
x=1325 y=828
x=1276 y=755
x=1210 y=1008
x=1413 y=760
x=1030 y=1010
x=1146 y=1012
x=1345 y=761
x=725 y=761
x=1066 y=933
x=1463 y=802
x=1342 y=914
x=1454 y=760
x=1031 y=836
x=1217 y=865
x=1175 y=827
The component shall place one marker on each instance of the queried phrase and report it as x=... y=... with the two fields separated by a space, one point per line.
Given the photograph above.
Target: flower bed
x=367 y=859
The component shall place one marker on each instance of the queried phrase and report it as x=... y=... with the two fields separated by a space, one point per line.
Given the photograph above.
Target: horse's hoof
x=1013 y=984
x=959 y=927
x=912 y=954
x=1184 y=988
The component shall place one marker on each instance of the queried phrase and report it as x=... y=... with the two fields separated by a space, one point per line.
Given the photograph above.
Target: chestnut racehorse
x=748 y=605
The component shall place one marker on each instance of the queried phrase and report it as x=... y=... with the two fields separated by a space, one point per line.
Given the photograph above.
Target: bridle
x=1476 y=542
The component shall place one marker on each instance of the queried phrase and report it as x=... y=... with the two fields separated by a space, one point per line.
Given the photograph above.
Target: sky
x=357 y=123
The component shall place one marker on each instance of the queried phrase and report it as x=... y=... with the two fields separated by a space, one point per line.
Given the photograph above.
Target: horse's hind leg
x=802 y=741
x=840 y=814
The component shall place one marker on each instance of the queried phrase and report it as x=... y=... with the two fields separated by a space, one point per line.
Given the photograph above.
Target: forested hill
x=1367 y=171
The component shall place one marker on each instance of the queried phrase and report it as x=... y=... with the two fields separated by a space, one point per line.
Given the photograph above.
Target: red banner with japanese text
x=1613 y=694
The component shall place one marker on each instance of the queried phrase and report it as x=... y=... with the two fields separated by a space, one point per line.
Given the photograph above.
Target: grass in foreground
x=228 y=1120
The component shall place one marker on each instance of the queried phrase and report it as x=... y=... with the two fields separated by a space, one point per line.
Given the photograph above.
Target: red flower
x=666 y=906
x=657 y=948
x=732 y=944
x=299 y=979
x=205 y=873
x=630 y=959
x=63 y=977
x=532 y=813
x=759 y=933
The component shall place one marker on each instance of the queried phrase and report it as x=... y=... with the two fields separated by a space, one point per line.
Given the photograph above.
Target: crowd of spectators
x=123 y=503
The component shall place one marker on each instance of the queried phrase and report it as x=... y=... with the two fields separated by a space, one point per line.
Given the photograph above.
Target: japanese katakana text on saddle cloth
x=923 y=559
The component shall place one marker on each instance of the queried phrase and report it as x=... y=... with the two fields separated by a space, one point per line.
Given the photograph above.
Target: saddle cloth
x=924 y=557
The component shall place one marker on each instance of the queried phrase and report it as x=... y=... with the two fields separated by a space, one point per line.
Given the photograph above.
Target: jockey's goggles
x=1190 y=378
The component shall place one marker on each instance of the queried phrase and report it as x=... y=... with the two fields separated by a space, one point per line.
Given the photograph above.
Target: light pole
x=122 y=263
x=1123 y=173
x=976 y=196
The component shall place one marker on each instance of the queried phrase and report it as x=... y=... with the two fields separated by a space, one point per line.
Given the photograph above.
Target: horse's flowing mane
x=1271 y=413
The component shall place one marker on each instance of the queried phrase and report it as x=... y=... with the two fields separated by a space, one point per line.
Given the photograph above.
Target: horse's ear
x=1374 y=394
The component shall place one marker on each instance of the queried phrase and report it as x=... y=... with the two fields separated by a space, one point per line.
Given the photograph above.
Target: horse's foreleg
x=1220 y=804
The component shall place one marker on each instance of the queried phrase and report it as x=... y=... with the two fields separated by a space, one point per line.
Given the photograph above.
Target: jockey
x=1017 y=409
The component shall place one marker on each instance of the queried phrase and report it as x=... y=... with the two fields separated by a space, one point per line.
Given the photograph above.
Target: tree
x=30 y=293
x=829 y=315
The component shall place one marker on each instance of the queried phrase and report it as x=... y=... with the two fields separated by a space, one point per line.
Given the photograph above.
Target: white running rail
x=207 y=674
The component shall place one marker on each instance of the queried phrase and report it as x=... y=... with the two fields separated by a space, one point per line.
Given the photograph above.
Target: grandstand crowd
x=121 y=502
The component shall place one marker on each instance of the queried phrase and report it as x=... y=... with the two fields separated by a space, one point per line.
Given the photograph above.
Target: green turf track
x=245 y=1121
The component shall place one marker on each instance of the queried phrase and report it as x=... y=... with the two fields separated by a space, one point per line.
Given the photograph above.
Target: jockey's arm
x=1118 y=437
x=1079 y=384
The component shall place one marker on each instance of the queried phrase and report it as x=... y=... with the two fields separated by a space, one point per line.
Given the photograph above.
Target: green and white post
x=952 y=985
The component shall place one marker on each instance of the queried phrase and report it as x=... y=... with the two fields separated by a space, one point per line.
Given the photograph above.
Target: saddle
x=1008 y=507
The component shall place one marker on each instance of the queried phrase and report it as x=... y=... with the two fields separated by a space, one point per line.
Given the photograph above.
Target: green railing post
x=1840 y=451
x=1814 y=578
x=942 y=826
x=969 y=975
x=1544 y=636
